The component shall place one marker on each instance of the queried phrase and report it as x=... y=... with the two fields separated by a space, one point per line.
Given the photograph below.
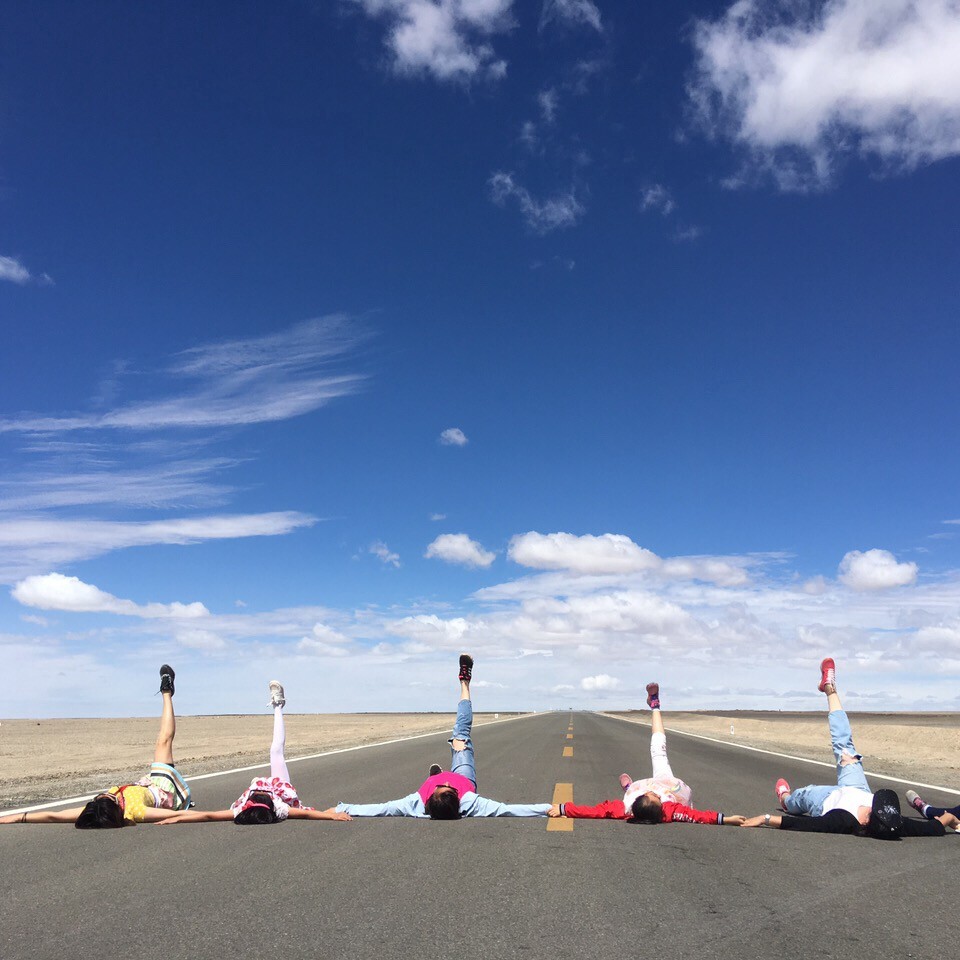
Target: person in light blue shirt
x=450 y=795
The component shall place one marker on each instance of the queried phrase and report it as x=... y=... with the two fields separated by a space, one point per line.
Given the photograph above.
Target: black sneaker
x=466 y=667
x=435 y=768
x=166 y=679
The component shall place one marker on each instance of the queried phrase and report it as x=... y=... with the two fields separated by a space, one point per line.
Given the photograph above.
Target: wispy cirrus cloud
x=542 y=216
x=234 y=383
x=449 y=40
x=36 y=542
x=800 y=86
x=176 y=482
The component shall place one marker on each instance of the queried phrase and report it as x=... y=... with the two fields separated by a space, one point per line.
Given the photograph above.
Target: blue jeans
x=462 y=761
x=810 y=799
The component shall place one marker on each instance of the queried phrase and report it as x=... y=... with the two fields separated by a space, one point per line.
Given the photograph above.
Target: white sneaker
x=277 y=698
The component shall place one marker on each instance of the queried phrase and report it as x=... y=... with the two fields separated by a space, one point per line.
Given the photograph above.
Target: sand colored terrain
x=43 y=760
x=920 y=747
x=51 y=759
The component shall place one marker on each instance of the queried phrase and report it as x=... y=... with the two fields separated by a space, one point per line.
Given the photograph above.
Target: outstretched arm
x=298 y=813
x=190 y=816
x=45 y=816
x=409 y=806
x=762 y=821
x=482 y=807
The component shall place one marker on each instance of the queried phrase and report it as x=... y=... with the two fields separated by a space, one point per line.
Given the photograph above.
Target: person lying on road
x=158 y=795
x=266 y=800
x=850 y=806
x=661 y=798
x=452 y=794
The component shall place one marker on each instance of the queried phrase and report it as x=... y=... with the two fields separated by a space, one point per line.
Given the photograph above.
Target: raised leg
x=163 y=751
x=462 y=760
x=278 y=764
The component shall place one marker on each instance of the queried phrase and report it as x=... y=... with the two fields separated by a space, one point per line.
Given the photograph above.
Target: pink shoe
x=782 y=789
x=653 y=696
x=625 y=780
x=828 y=674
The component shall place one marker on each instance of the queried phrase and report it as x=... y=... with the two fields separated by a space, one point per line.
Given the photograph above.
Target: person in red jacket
x=661 y=798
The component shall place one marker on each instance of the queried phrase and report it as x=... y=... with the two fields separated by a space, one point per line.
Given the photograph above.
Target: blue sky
x=610 y=342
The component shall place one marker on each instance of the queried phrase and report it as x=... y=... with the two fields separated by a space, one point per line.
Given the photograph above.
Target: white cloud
x=255 y=380
x=549 y=102
x=875 y=570
x=459 y=548
x=14 y=271
x=571 y=12
x=601 y=681
x=542 y=216
x=719 y=570
x=32 y=543
x=383 y=553
x=447 y=39
x=54 y=591
x=431 y=629
x=657 y=197
x=435 y=517
x=801 y=84
x=588 y=554
x=453 y=437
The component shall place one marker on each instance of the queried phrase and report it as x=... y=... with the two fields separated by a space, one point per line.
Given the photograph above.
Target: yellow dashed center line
x=569 y=736
x=562 y=793
x=568 y=751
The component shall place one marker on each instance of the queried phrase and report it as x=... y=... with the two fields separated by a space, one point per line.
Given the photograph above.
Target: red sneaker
x=828 y=674
x=653 y=696
x=466 y=667
x=781 y=789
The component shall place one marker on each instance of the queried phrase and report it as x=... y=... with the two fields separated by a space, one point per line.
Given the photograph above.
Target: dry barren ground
x=922 y=747
x=43 y=760
x=51 y=759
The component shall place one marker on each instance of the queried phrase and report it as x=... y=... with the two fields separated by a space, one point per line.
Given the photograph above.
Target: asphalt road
x=486 y=889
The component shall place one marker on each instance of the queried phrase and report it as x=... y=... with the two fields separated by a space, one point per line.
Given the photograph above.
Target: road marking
x=266 y=766
x=788 y=756
x=568 y=751
x=569 y=736
x=562 y=793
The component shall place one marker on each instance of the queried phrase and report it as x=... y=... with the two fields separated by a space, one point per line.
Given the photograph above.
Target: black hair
x=256 y=815
x=444 y=805
x=100 y=813
x=647 y=810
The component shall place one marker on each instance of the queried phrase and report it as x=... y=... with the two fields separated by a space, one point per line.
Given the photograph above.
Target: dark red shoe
x=828 y=674
x=466 y=667
x=653 y=696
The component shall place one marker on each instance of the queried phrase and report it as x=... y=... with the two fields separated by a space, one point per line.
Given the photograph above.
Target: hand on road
x=753 y=821
x=334 y=814
x=554 y=811
x=948 y=820
x=734 y=821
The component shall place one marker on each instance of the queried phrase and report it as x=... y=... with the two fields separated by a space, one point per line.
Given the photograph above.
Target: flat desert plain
x=45 y=760
x=921 y=747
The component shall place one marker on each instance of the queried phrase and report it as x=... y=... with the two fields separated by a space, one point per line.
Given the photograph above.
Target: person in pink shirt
x=450 y=794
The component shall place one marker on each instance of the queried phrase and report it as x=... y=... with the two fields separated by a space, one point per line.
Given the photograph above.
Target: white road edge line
x=787 y=756
x=261 y=766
